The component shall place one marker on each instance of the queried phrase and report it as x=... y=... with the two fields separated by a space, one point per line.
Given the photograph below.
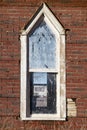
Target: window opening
x=43 y=94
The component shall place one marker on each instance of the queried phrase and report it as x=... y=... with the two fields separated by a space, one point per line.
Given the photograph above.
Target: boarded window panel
x=42 y=48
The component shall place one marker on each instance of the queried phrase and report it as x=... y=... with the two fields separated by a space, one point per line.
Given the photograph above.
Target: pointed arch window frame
x=61 y=81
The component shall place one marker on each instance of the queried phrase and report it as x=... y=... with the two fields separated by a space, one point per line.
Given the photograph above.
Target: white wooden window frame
x=59 y=32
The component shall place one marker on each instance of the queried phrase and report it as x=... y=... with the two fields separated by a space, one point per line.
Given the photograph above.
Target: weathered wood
x=45 y=49
x=71 y=108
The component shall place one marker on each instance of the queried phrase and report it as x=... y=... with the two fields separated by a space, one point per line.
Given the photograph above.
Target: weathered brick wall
x=14 y=15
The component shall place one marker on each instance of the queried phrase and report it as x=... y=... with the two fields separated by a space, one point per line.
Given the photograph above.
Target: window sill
x=50 y=117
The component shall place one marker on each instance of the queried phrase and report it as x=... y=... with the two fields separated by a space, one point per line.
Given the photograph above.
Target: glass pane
x=43 y=94
x=42 y=48
x=40 y=78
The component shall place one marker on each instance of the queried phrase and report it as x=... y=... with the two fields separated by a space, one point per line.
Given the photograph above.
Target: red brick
x=9 y=106
x=11 y=123
x=14 y=15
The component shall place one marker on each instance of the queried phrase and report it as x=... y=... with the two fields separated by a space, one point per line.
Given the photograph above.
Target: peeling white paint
x=57 y=43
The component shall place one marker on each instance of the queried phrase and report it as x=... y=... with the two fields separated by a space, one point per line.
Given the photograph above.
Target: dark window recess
x=43 y=92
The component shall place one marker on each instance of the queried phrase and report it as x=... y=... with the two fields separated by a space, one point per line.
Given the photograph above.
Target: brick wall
x=14 y=15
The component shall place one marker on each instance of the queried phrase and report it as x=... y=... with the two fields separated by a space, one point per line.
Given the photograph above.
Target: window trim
x=61 y=72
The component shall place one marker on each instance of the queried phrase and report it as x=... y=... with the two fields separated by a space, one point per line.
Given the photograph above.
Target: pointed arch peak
x=44 y=12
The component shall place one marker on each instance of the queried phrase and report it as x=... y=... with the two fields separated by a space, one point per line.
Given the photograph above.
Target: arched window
x=43 y=68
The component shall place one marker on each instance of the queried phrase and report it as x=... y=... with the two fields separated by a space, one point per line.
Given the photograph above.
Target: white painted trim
x=62 y=77
x=46 y=12
x=44 y=70
x=53 y=19
x=33 y=22
x=23 y=76
x=59 y=32
x=44 y=118
x=58 y=75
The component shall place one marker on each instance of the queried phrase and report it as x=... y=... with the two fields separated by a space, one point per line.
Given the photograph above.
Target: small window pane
x=42 y=48
x=40 y=78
